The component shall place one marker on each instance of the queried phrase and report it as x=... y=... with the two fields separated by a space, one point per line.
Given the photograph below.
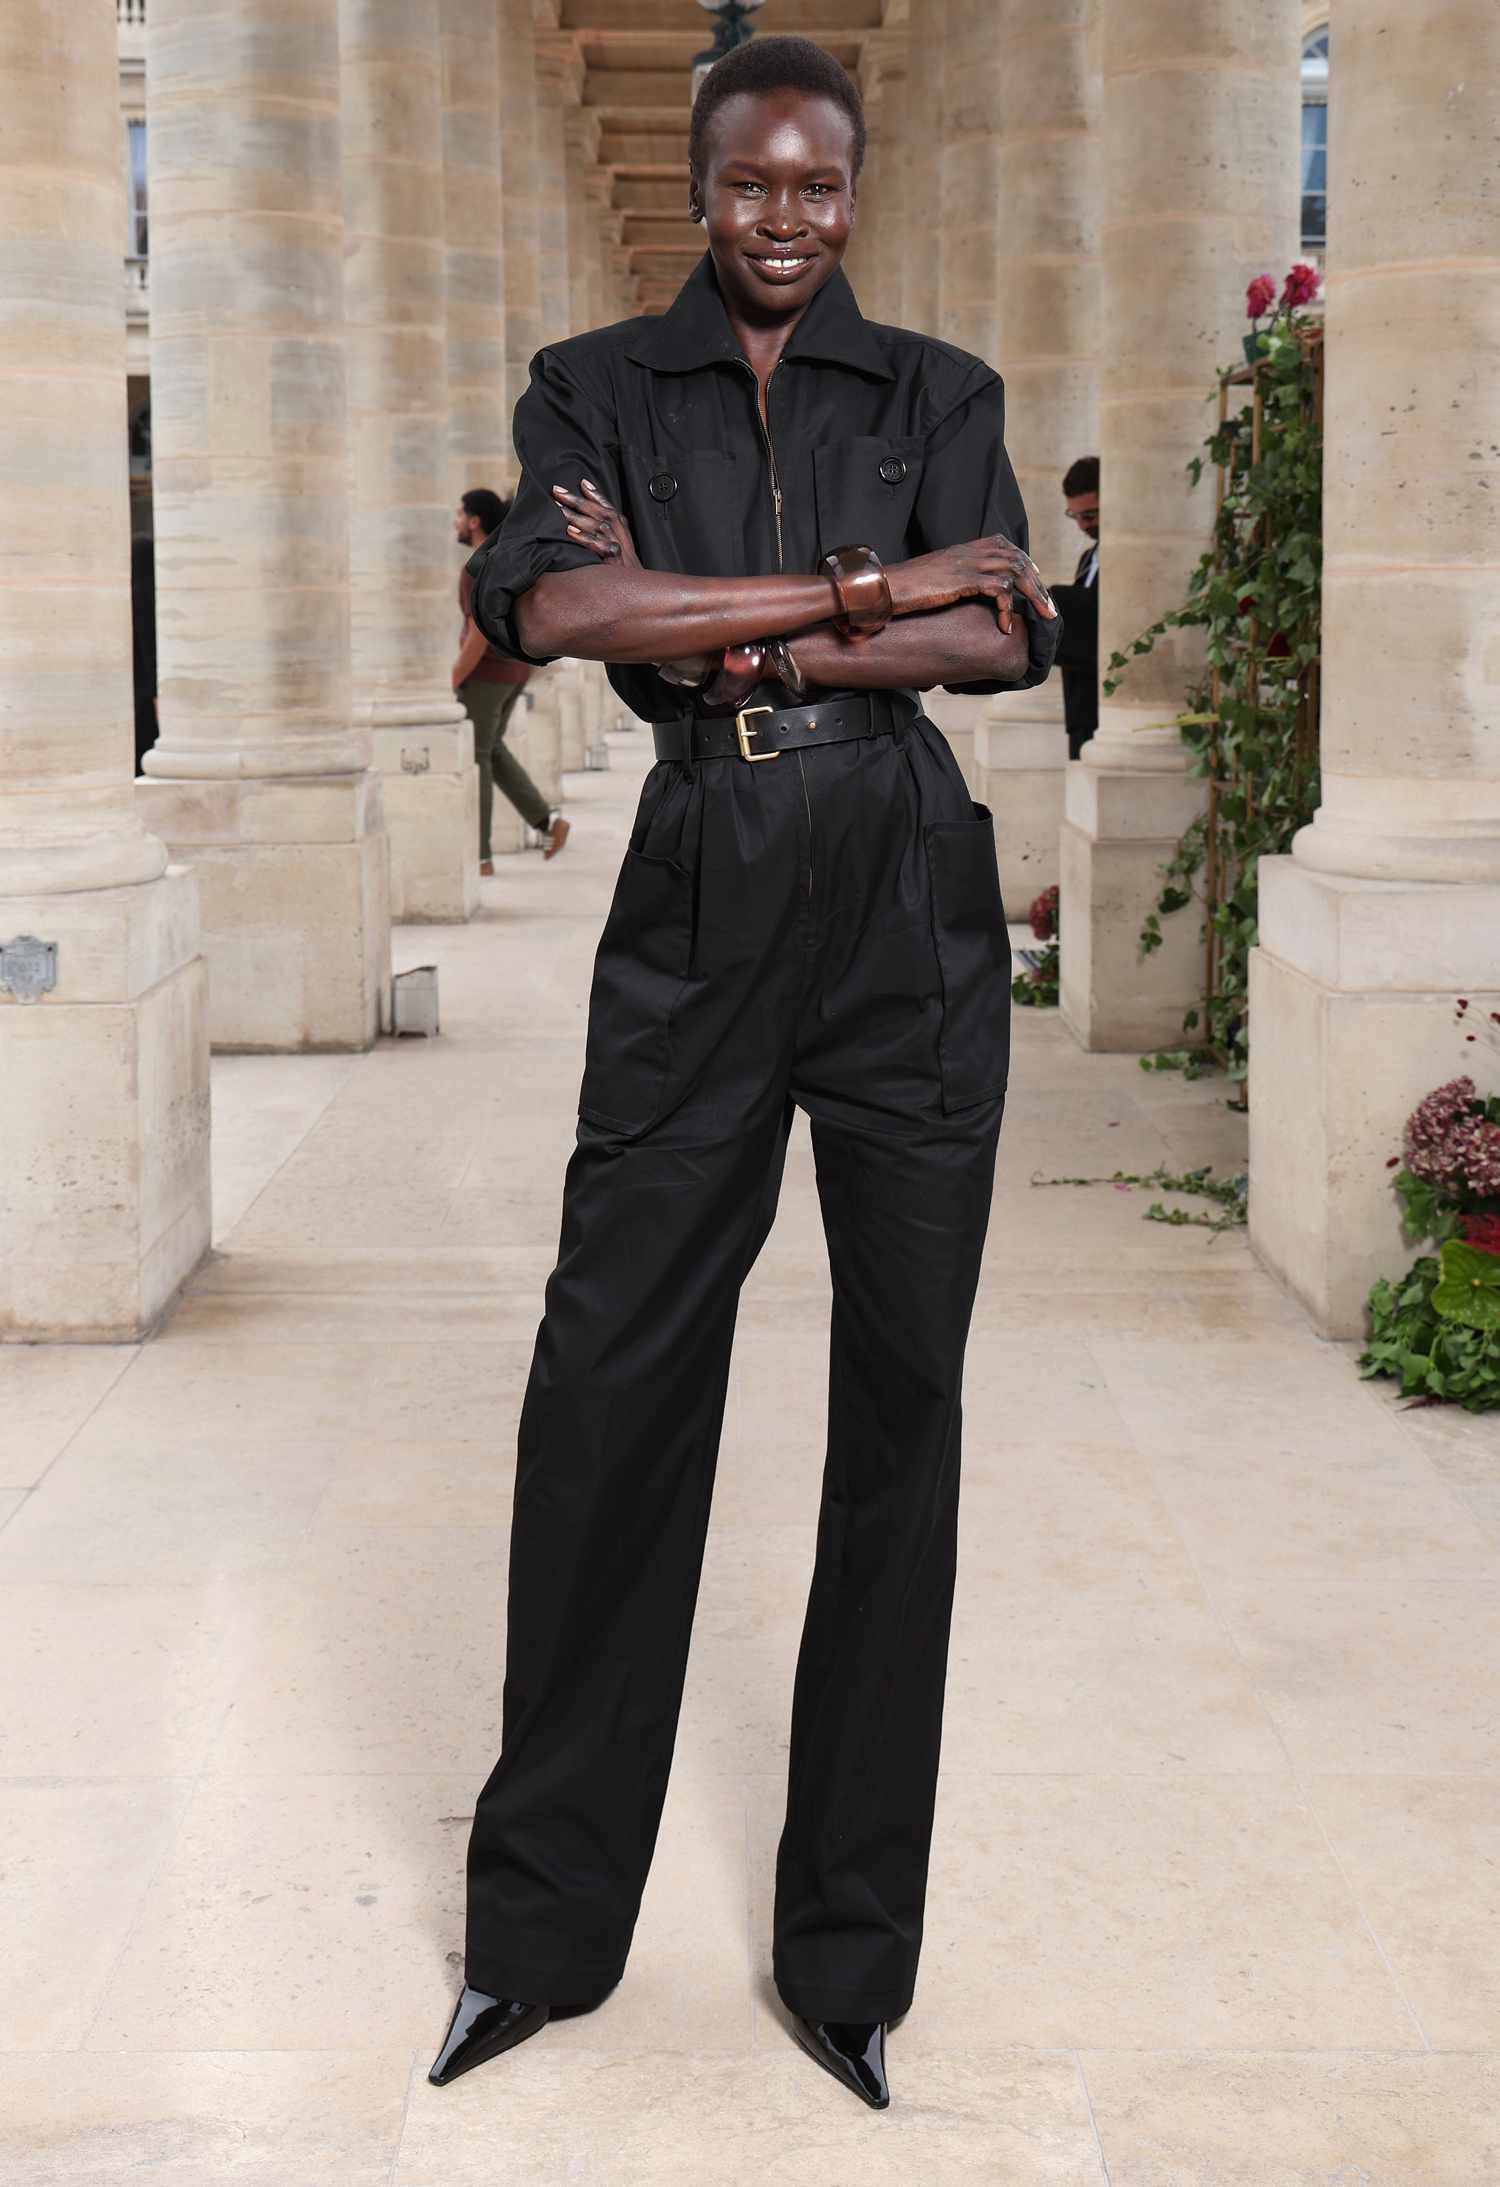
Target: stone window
x=1315 y=140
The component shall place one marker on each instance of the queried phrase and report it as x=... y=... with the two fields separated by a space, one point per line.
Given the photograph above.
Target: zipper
x=762 y=419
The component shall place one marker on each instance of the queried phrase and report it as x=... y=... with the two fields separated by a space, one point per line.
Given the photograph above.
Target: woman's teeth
x=786 y=265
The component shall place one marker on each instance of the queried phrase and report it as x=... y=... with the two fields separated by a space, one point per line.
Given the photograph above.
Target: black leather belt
x=766 y=731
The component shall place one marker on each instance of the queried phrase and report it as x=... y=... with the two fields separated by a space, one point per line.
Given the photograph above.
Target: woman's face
x=776 y=197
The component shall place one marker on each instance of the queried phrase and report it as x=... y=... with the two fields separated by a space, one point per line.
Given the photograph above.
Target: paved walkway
x=1214 y=1898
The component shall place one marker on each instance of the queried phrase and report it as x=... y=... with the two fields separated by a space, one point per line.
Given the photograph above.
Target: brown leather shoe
x=557 y=835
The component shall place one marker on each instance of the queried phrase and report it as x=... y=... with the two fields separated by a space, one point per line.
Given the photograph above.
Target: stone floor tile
x=373 y=1648
x=1374 y=1675
x=306 y=1913
x=258 y=2119
x=1105 y=1912
x=1281 y=2120
x=47 y=1392
x=77 y=1860
x=1112 y=1671
x=679 y=2119
x=125 y=1681
x=148 y=1514
x=1422 y=1855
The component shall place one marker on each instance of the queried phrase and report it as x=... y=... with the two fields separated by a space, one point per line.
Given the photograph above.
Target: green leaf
x=1469 y=1288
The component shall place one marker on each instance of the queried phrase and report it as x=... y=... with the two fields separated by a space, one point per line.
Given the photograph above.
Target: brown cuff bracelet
x=864 y=592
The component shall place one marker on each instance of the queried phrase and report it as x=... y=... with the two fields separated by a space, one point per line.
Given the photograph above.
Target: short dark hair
x=486 y=506
x=776 y=64
x=1081 y=477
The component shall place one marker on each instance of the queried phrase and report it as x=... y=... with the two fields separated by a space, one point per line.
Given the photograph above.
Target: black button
x=663 y=486
x=893 y=470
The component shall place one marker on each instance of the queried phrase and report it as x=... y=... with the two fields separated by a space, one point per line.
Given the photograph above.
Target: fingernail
x=588 y=482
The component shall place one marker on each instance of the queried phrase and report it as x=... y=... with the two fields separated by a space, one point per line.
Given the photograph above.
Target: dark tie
x=1083 y=564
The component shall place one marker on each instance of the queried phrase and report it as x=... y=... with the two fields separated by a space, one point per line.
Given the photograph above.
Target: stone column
x=104 y=1197
x=877 y=255
x=922 y=154
x=261 y=776
x=1200 y=192
x=402 y=558
x=1044 y=188
x=1388 y=909
x=479 y=404
x=535 y=732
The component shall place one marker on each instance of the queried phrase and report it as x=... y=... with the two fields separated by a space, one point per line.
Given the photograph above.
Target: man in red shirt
x=489 y=686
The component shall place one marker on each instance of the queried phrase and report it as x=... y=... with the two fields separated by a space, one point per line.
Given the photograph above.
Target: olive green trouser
x=489 y=707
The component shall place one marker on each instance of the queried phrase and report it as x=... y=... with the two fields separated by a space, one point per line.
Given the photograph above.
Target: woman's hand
x=992 y=569
x=597 y=524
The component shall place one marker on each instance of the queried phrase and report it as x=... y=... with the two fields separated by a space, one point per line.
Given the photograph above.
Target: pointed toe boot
x=481 y=2028
x=853 y=2051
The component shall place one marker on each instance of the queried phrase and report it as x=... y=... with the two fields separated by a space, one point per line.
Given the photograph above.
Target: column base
x=294 y=885
x=430 y=795
x=1352 y=995
x=104 y=1115
x=1021 y=750
x=1120 y=826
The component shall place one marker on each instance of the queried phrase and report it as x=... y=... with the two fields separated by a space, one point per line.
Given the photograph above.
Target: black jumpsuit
x=822 y=930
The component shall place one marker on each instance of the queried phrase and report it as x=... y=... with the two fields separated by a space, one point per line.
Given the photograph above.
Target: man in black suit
x=1078 y=654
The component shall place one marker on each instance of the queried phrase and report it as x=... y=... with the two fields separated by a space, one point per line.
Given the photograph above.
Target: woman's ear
x=695 y=198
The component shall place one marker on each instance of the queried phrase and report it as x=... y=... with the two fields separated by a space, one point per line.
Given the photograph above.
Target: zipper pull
x=776 y=490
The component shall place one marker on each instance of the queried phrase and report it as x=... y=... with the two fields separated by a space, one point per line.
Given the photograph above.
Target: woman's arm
x=959 y=644
x=622 y=612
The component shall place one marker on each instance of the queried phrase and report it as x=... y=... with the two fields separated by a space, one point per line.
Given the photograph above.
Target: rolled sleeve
x=968 y=489
x=561 y=437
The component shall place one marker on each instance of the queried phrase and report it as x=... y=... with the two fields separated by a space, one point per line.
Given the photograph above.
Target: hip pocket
x=973 y=953
x=639 y=973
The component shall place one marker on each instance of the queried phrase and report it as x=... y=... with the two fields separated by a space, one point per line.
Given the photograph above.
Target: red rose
x=1481 y=1230
x=1042 y=917
x=1260 y=296
x=1301 y=286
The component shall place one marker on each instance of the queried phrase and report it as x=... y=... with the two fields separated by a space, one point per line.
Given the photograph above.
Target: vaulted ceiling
x=629 y=64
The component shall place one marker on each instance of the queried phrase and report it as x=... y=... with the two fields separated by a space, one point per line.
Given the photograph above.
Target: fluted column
x=922 y=155
x=104 y=1203
x=261 y=773
x=1201 y=132
x=404 y=615
x=877 y=256
x=479 y=401
x=521 y=197
x=535 y=732
x=1388 y=909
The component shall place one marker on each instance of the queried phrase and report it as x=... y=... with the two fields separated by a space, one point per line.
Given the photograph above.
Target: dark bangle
x=863 y=589
x=780 y=664
x=736 y=675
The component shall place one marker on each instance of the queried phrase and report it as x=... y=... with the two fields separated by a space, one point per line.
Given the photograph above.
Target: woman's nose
x=782 y=216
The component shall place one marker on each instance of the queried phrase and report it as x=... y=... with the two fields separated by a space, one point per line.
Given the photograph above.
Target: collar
x=695 y=329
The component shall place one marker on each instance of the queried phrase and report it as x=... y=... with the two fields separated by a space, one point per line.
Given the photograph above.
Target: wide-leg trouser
x=822 y=930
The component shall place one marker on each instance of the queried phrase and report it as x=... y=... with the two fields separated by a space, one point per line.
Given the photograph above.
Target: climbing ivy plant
x=1251 y=722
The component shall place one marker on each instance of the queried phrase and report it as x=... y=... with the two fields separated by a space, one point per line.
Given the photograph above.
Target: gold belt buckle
x=745 y=733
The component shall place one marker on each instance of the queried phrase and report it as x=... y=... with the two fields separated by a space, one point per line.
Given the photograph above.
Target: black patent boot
x=480 y=2029
x=853 y=2051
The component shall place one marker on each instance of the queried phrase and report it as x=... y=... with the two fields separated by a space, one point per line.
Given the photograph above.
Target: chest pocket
x=866 y=490
x=679 y=506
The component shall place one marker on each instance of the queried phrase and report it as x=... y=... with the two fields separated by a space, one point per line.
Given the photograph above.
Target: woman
x=776 y=522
